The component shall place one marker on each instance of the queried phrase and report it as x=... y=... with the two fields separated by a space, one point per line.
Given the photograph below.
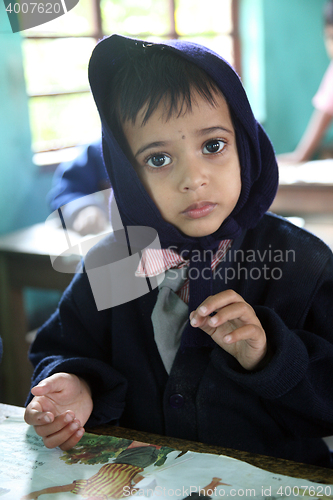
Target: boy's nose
x=193 y=175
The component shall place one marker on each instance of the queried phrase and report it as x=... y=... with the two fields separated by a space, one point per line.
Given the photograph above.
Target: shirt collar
x=154 y=262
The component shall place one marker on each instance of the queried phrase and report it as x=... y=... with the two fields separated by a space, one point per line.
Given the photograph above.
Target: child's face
x=329 y=40
x=189 y=164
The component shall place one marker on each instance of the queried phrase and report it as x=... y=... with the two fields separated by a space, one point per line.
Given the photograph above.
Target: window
x=56 y=55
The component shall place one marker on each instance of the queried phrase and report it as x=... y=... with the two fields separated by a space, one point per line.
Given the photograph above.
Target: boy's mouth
x=198 y=210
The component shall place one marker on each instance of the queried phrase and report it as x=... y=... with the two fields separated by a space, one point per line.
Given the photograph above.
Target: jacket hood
x=259 y=172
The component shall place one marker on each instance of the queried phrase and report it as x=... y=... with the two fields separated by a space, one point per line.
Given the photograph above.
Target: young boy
x=253 y=371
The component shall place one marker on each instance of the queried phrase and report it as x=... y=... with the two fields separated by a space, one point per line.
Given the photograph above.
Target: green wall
x=22 y=186
x=284 y=38
x=19 y=178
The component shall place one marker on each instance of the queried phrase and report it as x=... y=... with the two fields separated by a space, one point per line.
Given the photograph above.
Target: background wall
x=21 y=186
x=284 y=59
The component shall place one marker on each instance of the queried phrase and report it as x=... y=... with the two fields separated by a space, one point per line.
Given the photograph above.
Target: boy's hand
x=59 y=410
x=235 y=327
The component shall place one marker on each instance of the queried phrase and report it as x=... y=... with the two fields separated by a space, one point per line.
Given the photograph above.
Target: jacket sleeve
x=77 y=339
x=296 y=384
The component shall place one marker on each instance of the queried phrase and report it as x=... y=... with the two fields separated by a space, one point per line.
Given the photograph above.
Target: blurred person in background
x=73 y=181
x=322 y=114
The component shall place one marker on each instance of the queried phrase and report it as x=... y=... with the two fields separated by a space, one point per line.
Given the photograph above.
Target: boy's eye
x=158 y=160
x=213 y=146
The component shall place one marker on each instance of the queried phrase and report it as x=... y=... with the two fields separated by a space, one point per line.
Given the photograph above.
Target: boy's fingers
x=36 y=415
x=40 y=390
x=65 y=438
x=251 y=333
x=222 y=299
x=73 y=440
x=240 y=312
x=59 y=423
x=54 y=383
x=34 y=407
x=44 y=387
x=216 y=302
x=232 y=312
x=199 y=321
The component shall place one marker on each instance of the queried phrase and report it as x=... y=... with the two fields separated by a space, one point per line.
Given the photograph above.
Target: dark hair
x=149 y=75
x=328 y=13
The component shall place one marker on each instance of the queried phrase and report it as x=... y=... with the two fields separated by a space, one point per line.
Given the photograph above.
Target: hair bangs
x=153 y=75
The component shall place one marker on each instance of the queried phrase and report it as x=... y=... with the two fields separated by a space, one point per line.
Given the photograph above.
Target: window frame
x=98 y=33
